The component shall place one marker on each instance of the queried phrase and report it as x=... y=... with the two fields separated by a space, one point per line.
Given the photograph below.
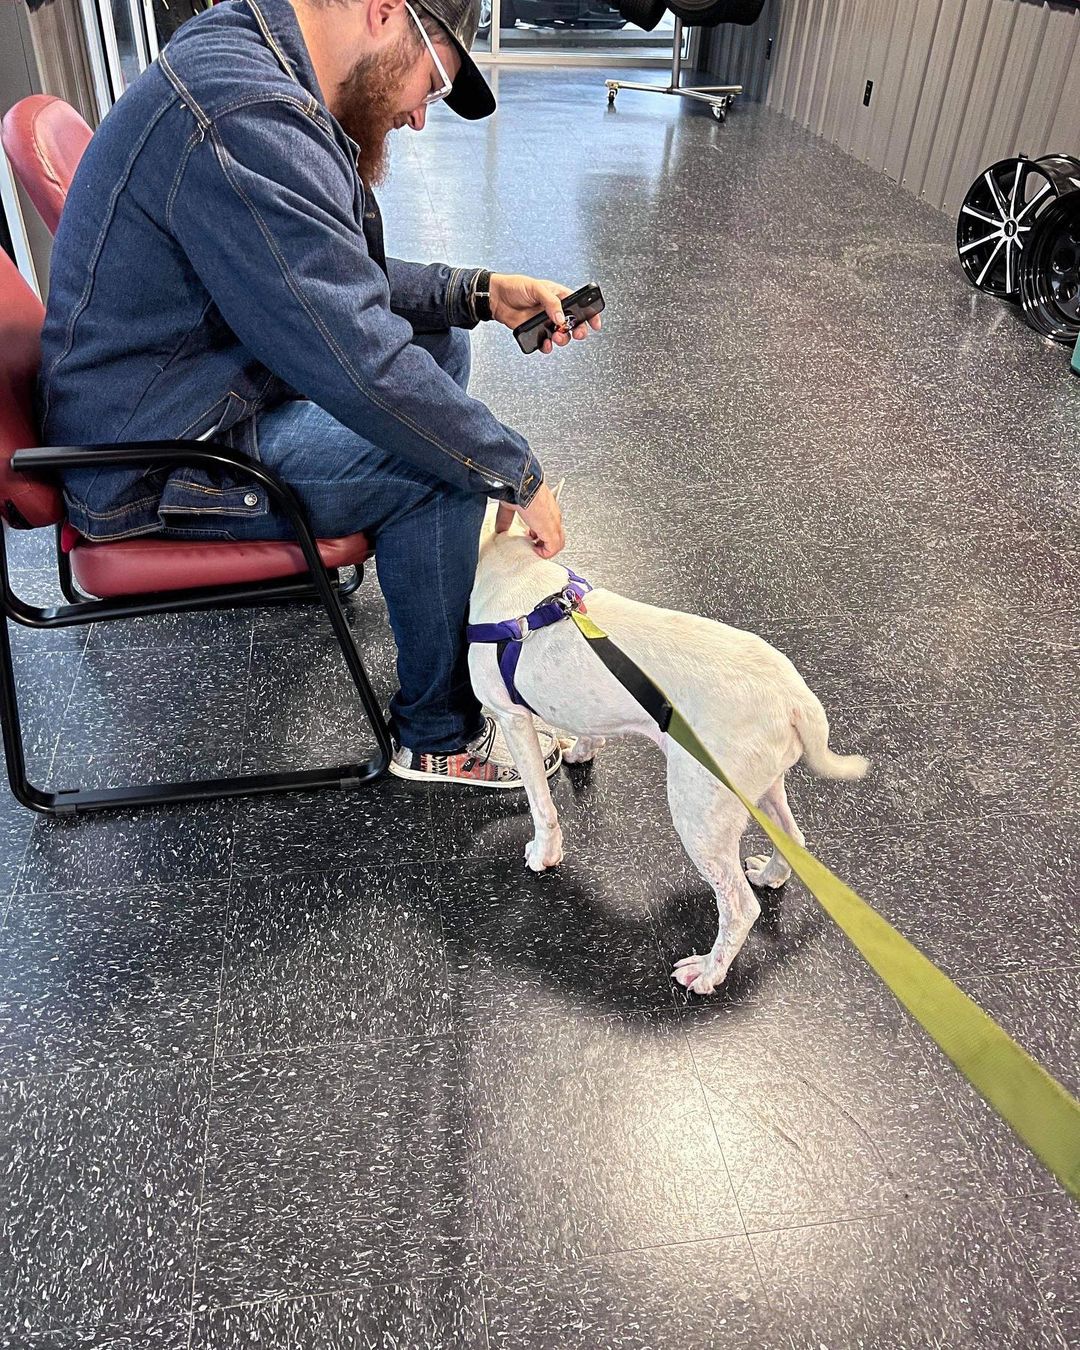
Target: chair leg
x=348 y=588
x=22 y=789
x=70 y=801
x=68 y=589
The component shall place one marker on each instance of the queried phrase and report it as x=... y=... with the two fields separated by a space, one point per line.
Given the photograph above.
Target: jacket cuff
x=459 y=307
x=531 y=477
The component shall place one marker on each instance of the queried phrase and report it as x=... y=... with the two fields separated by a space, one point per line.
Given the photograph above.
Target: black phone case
x=578 y=307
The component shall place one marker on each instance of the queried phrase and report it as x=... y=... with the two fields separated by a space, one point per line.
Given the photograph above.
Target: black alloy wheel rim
x=999 y=212
x=1050 y=272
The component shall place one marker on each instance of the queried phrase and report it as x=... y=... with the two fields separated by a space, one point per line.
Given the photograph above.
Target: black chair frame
x=318 y=585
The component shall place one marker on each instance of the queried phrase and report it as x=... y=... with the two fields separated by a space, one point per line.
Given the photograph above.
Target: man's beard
x=366 y=107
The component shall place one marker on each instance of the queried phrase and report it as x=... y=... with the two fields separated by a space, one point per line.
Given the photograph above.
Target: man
x=220 y=272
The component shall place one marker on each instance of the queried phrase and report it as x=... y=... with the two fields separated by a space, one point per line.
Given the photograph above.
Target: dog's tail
x=812 y=727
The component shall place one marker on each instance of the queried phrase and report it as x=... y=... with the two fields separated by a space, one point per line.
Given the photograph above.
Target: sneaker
x=484 y=762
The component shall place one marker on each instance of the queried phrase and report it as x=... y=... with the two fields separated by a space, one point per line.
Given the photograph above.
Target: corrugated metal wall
x=957 y=83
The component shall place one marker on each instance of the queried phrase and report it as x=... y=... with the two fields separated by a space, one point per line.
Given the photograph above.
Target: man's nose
x=418 y=117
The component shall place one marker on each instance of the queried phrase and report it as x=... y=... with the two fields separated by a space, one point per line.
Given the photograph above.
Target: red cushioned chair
x=147 y=575
x=44 y=138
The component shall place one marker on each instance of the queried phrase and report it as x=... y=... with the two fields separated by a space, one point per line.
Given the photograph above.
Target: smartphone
x=578 y=308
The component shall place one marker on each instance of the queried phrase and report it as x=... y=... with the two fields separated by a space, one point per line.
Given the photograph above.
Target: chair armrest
x=42 y=459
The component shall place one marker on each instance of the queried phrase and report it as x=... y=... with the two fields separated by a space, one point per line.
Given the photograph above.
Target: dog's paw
x=758 y=873
x=542 y=854
x=699 y=974
x=581 y=750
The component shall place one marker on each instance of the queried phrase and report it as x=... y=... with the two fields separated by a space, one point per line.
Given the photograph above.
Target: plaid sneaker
x=484 y=762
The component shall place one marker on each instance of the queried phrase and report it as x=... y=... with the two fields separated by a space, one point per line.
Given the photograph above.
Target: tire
x=1050 y=271
x=645 y=14
x=709 y=13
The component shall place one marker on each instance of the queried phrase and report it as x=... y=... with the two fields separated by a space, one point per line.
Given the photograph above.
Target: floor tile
x=444 y=1314
x=336 y=958
x=104 y=849
x=138 y=701
x=16 y=823
x=89 y=980
x=590 y=1136
x=303 y=708
x=1046 y=1228
x=829 y=1112
x=97 y=1212
x=329 y=1169
x=709 y=1291
x=172 y=1335
x=519 y=942
x=977 y=896
x=953 y=1278
x=386 y=821
x=44 y=682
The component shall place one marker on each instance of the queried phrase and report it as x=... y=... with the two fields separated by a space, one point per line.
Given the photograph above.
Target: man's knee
x=452 y=349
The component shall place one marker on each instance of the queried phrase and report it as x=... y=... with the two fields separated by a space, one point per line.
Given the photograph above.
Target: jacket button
x=251 y=499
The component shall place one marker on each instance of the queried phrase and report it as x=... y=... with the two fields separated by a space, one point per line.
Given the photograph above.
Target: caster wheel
x=720 y=114
x=611 y=98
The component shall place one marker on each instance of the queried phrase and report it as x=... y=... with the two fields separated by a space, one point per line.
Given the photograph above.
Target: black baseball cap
x=470 y=96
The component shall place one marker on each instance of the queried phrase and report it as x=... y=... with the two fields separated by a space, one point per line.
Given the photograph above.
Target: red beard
x=366 y=103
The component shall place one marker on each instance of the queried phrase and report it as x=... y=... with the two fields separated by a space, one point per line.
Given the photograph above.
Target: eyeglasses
x=447 y=82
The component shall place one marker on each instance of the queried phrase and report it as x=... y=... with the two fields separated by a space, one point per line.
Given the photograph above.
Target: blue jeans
x=425 y=534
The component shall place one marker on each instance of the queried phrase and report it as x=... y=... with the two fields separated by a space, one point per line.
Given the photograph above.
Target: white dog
x=748 y=704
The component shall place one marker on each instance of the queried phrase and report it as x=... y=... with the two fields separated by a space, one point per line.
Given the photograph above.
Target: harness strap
x=511 y=633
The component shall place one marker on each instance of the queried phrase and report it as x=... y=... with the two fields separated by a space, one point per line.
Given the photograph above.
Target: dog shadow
x=602 y=934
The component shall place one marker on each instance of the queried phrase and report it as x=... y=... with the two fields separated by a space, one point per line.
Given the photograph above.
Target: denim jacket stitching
x=272 y=41
x=95 y=258
x=316 y=319
x=134 y=532
x=186 y=96
x=111 y=513
x=451 y=283
x=263 y=96
x=222 y=403
x=192 y=141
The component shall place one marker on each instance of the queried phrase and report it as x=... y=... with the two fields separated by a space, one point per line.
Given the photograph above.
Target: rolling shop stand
x=717 y=96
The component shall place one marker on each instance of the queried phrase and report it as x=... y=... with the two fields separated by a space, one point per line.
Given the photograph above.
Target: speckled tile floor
x=334 y=1071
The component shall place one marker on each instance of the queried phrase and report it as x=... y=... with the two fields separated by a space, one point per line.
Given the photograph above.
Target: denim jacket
x=218 y=254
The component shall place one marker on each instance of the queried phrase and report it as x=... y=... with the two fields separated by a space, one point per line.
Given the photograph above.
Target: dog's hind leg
x=773 y=871
x=710 y=822
x=545 y=849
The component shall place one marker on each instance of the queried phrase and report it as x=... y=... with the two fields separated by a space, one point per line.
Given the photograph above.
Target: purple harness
x=511 y=633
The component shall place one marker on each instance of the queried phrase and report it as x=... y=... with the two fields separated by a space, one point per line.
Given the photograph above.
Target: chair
x=45 y=138
x=149 y=575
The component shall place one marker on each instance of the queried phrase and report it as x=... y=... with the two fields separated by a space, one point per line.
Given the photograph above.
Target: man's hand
x=542 y=518
x=515 y=298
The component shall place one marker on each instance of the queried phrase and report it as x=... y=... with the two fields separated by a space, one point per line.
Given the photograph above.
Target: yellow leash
x=1036 y=1106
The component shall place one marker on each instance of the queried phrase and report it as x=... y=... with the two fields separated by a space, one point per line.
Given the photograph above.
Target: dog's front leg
x=546 y=848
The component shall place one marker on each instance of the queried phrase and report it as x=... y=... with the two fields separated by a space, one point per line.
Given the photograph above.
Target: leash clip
x=568 y=600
